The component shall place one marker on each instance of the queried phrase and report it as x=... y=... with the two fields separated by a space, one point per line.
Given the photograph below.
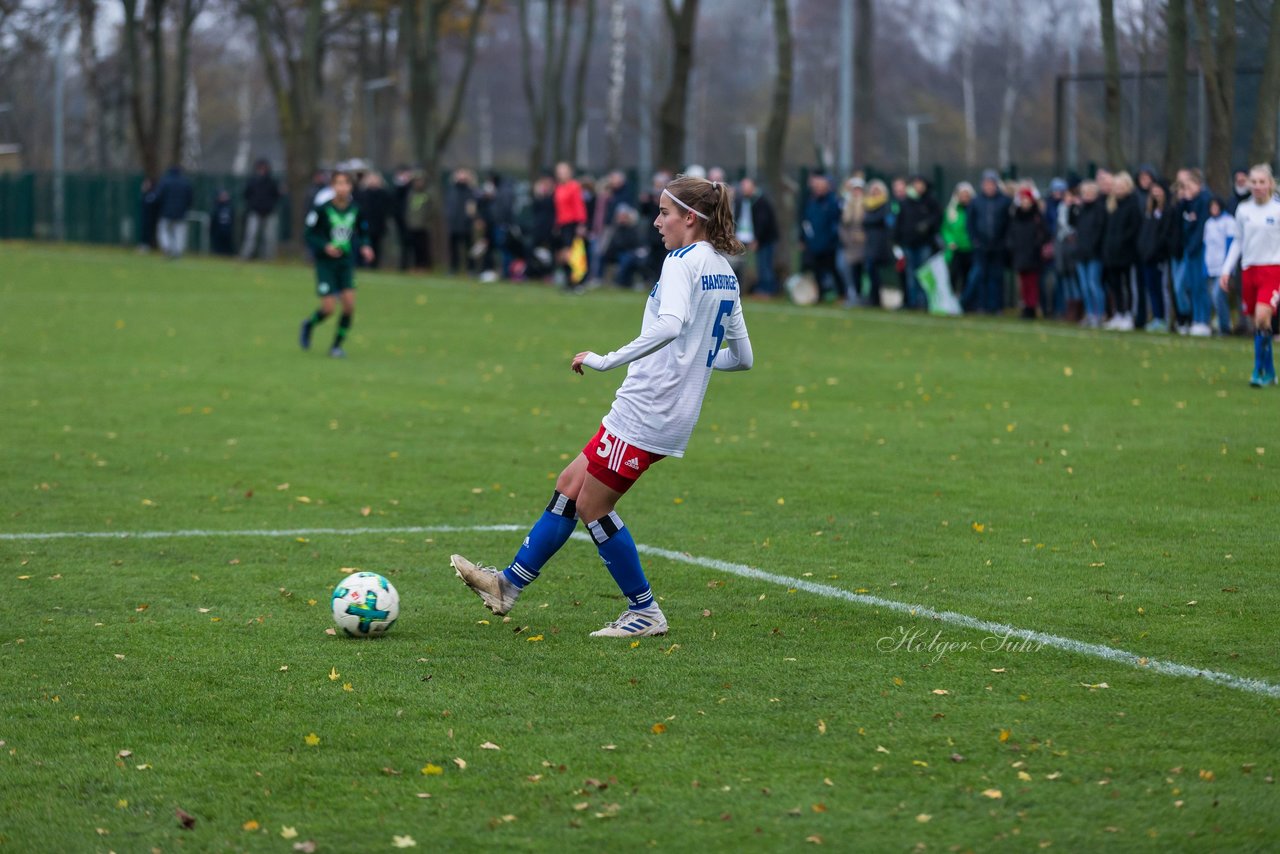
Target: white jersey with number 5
x=658 y=403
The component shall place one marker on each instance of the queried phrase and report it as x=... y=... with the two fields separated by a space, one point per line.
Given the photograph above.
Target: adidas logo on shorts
x=633 y=463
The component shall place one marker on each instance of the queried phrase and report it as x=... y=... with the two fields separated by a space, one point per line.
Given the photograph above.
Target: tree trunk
x=775 y=135
x=293 y=69
x=556 y=85
x=536 y=102
x=1262 y=144
x=188 y=12
x=1111 y=86
x=617 y=83
x=966 y=85
x=1175 y=147
x=1012 y=71
x=671 y=116
x=145 y=126
x=578 y=109
x=1218 y=59
x=864 y=71
x=94 y=138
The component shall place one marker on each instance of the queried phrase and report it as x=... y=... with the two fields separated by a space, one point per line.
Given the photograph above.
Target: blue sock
x=545 y=538
x=1257 y=351
x=1268 y=362
x=618 y=551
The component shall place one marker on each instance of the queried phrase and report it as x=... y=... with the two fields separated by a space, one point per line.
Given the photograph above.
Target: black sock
x=318 y=317
x=344 y=325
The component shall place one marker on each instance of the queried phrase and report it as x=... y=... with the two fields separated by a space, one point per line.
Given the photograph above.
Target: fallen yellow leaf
x=1004 y=735
x=460 y=762
x=403 y=841
x=333 y=674
x=311 y=739
x=994 y=794
x=658 y=728
x=432 y=770
x=251 y=825
x=288 y=832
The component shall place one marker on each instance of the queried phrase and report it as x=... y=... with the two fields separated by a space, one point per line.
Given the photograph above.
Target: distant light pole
x=913 y=140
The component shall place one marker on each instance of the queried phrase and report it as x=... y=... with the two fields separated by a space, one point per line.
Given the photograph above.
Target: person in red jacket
x=571 y=221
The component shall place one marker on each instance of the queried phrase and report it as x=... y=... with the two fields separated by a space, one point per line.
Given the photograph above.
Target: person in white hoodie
x=1219 y=232
x=1257 y=248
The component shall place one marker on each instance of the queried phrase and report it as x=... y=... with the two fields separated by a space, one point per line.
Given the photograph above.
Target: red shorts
x=1259 y=284
x=615 y=463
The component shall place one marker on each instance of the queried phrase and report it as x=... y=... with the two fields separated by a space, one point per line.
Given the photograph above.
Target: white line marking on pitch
x=1094 y=650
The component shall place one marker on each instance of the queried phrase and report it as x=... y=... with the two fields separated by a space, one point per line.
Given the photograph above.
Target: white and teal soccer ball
x=365 y=605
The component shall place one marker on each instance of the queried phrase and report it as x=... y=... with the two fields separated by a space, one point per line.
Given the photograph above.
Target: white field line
x=1093 y=650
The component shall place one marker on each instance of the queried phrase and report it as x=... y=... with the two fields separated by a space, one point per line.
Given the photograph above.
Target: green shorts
x=333 y=279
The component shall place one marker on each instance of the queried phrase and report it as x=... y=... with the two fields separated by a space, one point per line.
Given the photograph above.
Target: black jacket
x=1120 y=237
x=879 y=241
x=376 y=203
x=262 y=194
x=764 y=221
x=1089 y=219
x=1027 y=237
x=1160 y=235
x=918 y=222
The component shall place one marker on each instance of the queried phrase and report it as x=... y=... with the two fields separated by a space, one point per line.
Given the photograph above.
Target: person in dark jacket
x=1189 y=270
x=1155 y=239
x=402 y=183
x=988 y=232
x=820 y=235
x=1089 y=219
x=1026 y=241
x=222 y=225
x=262 y=202
x=148 y=215
x=459 y=214
x=175 y=195
x=377 y=205
x=916 y=231
x=757 y=228
x=542 y=227
x=1120 y=249
x=878 y=255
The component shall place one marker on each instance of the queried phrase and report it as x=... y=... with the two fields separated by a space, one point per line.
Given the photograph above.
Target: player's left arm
x=361 y=237
x=736 y=355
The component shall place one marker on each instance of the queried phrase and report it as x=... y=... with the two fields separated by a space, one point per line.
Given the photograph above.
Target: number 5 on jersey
x=717 y=331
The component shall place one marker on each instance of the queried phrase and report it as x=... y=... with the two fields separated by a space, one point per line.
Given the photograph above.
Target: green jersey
x=344 y=228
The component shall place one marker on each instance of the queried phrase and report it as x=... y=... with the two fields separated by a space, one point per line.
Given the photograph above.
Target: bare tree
x=543 y=100
x=864 y=69
x=1012 y=77
x=775 y=135
x=967 y=39
x=187 y=12
x=1111 y=84
x=431 y=126
x=671 y=116
x=1175 y=17
x=1218 y=59
x=617 y=83
x=87 y=55
x=1262 y=144
x=292 y=43
x=146 y=119
x=578 y=114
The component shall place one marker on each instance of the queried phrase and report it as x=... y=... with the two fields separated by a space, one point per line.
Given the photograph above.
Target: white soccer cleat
x=635 y=624
x=498 y=594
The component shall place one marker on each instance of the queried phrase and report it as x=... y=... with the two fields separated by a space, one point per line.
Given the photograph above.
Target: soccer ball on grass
x=365 y=605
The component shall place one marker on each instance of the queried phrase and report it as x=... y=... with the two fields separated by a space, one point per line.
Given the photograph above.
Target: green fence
x=105 y=209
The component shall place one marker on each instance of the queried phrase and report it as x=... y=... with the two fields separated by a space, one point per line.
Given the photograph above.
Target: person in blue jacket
x=174 y=197
x=820 y=235
x=1189 y=271
x=988 y=232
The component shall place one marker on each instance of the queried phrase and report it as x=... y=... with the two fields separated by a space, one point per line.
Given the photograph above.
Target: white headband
x=669 y=194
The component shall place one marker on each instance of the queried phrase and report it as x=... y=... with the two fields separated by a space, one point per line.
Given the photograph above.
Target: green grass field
x=1108 y=489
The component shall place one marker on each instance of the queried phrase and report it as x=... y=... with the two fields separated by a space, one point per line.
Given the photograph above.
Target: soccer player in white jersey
x=1257 y=248
x=693 y=309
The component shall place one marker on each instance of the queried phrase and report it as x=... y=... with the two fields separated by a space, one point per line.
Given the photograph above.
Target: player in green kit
x=336 y=230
